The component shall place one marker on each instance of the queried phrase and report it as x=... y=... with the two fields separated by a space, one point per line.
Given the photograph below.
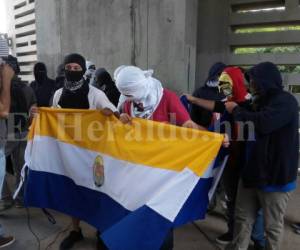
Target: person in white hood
x=143 y=96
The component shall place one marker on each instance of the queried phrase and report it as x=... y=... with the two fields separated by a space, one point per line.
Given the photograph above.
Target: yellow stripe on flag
x=144 y=142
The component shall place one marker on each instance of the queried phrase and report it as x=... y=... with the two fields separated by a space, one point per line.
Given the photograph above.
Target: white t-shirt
x=97 y=99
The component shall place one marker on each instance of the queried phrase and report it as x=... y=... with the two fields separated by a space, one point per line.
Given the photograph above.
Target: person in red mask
x=232 y=86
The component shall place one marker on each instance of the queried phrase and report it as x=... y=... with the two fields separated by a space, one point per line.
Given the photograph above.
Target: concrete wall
x=212 y=43
x=158 y=34
x=179 y=39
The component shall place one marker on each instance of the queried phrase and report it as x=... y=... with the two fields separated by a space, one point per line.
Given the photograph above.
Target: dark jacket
x=104 y=82
x=44 y=91
x=200 y=115
x=272 y=159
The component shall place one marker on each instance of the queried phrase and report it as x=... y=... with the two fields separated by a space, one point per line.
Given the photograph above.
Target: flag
x=133 y=182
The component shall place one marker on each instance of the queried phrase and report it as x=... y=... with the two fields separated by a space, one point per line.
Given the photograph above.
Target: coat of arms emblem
x=98 y=170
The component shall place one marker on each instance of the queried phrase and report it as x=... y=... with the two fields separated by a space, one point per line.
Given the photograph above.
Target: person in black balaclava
x=104 y=82
x=76 y=93
x=75 y=90
x=43 y=86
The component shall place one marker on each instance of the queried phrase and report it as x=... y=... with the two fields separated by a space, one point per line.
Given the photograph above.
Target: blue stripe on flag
x=47 y=190
x=196 y=205
x=141 y=229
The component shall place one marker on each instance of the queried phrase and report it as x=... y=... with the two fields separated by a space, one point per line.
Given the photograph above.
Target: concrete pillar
x=213 y=34
x=49 y=33
x=99 y=30
x=172 y=42
x=158 y=34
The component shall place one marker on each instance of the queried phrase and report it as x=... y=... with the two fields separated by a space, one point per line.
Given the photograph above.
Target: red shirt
x=170 y=110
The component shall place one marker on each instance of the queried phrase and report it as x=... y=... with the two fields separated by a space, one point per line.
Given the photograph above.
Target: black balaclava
x=74 y=79
x=76 y=89
x=103 y=79
x=104 y=82
x=40 y=72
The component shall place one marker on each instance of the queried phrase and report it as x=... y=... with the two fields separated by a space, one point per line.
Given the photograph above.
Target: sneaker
x=224 y=239
x=6 y=241
x=296 y=226
x=71 y=239
x=100 y=243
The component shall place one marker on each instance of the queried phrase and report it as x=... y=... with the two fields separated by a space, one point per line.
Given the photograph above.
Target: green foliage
x=266 y=29
x=289 y=68
x=273 y=50
x=270 y=49
x=295 y=89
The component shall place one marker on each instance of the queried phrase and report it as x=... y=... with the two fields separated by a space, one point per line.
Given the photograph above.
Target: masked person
x=210 y=91
x=104 y=82
x=78 y=94
x=232 y=86
x=90 y=72
x=270 y=172
x=146 y=98
x=43 y=86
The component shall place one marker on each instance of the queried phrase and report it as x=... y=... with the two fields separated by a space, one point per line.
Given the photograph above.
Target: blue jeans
x=258 y=231
x=2 y=175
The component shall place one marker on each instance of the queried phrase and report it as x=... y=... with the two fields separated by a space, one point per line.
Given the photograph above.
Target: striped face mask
x=74 y=80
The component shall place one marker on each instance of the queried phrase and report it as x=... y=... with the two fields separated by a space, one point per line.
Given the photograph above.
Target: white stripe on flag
x=131 y=185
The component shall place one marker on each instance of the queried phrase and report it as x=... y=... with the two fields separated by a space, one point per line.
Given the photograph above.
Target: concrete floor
x=186 y=238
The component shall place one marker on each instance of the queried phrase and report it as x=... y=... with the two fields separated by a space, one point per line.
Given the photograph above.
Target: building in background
x=179 y=39
x=22 y=33
x=4 y=49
